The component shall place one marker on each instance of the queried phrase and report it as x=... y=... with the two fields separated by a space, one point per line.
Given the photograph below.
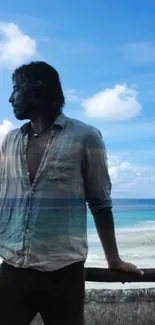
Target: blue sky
x=105 y=54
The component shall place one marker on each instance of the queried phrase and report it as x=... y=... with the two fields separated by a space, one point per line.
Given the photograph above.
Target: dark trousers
x=58 y=296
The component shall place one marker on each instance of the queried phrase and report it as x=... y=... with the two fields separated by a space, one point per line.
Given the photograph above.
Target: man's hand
x=125 y=267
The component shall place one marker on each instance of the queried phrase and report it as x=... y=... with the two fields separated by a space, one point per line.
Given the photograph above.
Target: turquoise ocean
x=135 y=235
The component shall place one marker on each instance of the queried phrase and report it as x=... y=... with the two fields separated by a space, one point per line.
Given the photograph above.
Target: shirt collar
x=60 y=121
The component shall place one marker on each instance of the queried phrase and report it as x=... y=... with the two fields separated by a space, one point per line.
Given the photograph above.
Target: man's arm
x=104 y=222
x=98 y=195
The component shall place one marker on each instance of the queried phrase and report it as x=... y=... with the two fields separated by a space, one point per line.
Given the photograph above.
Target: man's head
x=36 y=92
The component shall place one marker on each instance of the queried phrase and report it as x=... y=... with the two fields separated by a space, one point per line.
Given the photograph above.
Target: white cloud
x=15 y=46
x=71 y=95
x=121 y=170
x=5 y=127
x=118 y=103
x=131 y=180
x=140 y=52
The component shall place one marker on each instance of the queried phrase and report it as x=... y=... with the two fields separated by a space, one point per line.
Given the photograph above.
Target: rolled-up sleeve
x=95 y=172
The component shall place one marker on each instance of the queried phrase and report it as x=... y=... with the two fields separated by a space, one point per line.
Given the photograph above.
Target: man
x=50 y=168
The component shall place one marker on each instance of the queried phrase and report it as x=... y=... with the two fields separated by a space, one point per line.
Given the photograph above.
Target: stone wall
x=117 y=307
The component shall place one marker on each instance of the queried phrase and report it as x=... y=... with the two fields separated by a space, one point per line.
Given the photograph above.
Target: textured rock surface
x=117 y=307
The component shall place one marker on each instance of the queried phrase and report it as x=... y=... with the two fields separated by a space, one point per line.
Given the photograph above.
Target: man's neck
x=39 y=124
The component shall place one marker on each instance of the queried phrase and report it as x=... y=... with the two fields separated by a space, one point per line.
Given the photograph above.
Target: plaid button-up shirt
x=43 y=225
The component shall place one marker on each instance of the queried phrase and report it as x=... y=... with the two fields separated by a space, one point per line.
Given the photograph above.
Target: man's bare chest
x=34 y=154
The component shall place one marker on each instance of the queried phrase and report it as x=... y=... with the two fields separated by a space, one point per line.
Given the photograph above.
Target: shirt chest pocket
x=62 y=166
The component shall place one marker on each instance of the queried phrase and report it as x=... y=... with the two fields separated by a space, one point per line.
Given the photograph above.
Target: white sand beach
x=136 y=245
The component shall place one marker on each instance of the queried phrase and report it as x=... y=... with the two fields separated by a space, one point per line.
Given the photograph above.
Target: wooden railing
x=106 y=275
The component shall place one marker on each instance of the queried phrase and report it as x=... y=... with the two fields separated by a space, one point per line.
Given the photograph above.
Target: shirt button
x=28 y=173
x=27 y=230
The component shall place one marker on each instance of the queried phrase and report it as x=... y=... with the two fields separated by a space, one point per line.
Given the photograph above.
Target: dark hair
x=47 y=77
